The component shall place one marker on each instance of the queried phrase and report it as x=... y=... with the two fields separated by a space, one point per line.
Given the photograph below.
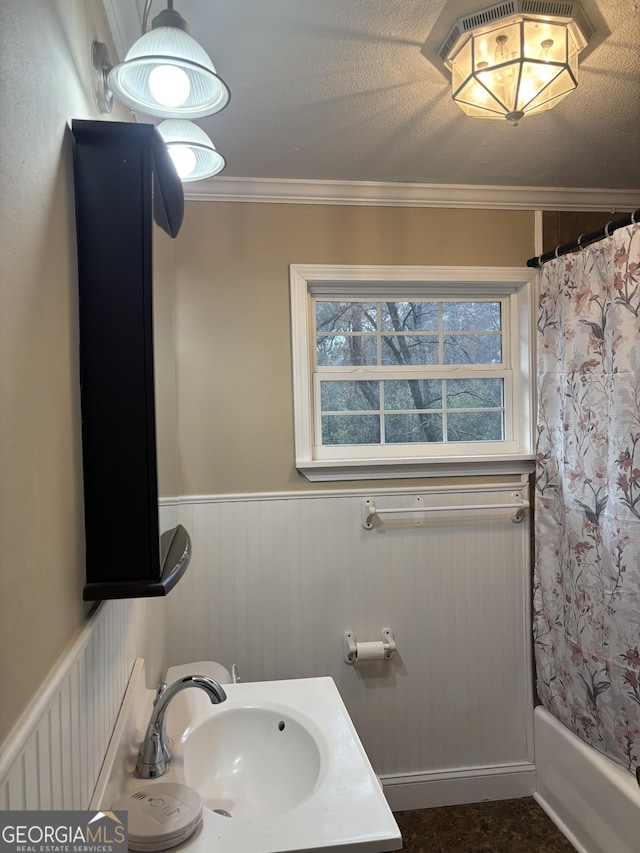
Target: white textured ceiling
x=340 y=90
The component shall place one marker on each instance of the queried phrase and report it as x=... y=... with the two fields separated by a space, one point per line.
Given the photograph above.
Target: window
x=411 y=371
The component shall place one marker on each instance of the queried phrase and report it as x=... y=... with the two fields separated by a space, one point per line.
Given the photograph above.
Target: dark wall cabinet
x=123 y=180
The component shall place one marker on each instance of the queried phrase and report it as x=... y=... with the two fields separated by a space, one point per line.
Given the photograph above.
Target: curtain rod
x=584 y=239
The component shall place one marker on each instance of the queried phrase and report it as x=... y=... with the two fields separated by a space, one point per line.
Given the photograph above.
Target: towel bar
x=369 y=510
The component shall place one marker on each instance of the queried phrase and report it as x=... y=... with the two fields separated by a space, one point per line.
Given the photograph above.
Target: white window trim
x=328 y=280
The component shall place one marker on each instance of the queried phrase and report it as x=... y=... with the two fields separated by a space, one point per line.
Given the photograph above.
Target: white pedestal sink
x=279 y=766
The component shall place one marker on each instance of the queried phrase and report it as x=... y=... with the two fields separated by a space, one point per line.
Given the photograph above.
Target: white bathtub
x=594 y=801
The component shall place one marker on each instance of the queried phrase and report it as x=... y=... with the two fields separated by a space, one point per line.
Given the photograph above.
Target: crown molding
x=390 y=194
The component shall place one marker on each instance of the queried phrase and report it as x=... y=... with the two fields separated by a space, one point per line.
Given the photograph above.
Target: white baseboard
x=450 y=788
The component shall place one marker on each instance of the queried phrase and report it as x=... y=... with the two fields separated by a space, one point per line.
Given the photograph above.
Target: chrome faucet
x=155 y=752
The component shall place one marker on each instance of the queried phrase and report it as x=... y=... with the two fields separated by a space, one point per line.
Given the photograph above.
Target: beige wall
x=235 y=421
x=45 y=62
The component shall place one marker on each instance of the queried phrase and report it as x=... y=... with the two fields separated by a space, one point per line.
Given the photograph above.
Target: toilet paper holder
x=385 y=647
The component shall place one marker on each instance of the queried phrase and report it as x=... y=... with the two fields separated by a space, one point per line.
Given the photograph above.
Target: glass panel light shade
x=515 y=64
x=193 y=153
x=167 y=73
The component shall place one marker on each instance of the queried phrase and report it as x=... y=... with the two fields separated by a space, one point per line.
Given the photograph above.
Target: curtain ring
x=634 y=221
x=556 y=252
x=579 y=241
x=606 y=228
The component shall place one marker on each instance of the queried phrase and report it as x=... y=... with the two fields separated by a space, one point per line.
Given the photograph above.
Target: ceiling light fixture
x=193 y=153
x=515 y=58
x=166 y=72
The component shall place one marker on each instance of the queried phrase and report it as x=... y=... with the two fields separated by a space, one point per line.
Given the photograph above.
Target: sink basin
x=246 y=762
x=278 y=765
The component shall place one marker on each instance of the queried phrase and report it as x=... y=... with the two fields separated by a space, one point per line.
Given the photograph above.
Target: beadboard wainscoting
x=276 y=580
x=52 y=758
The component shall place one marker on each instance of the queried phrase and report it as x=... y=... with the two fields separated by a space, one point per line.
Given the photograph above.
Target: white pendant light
x=166 y=72
x=193 y=153
x=515 y=58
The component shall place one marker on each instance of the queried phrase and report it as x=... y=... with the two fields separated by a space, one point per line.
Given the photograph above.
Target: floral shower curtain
x=587 y=519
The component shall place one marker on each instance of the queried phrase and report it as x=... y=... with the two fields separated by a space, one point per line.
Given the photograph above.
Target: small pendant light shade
x=193 y=153
x=167 y=73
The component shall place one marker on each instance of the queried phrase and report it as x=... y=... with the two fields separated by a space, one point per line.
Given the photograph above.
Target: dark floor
x=503 y=826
